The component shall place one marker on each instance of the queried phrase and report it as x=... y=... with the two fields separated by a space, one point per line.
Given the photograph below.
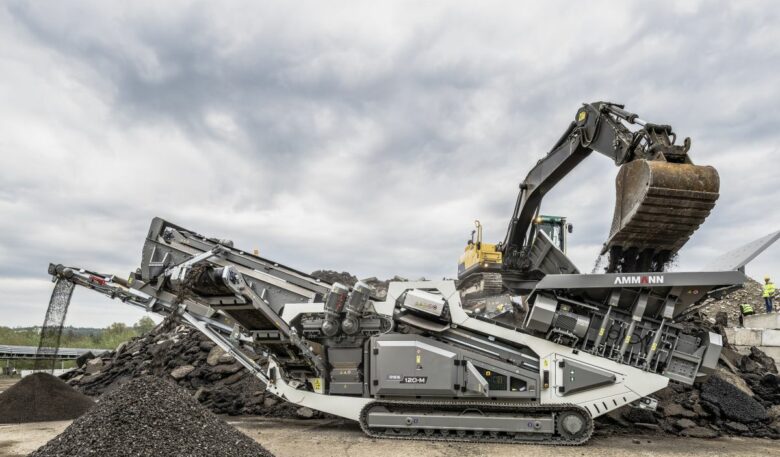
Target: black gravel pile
x=742 y=399
x=379 y=286
x=727 y=401
x=150 y=417
x=185 y=356
x=41 y=397
x=331 y=276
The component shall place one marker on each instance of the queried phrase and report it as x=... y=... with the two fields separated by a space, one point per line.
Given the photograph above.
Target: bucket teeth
x=659 y=205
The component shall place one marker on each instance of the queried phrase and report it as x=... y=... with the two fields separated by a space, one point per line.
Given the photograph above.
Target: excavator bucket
x=658 y=207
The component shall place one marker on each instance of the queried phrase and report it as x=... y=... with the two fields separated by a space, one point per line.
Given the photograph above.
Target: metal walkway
x=31 y=353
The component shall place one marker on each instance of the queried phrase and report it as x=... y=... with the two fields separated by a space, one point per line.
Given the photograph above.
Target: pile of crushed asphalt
x=41 y=397
x=185 y=356
x=742 y=398
x=150 y=416
x=179 y=352
x=379 y=287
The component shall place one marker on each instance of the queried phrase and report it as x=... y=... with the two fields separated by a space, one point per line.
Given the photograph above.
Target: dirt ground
x=337 y=438
x=5 y=383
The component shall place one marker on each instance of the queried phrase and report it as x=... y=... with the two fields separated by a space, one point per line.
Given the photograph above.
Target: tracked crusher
x=559 y=349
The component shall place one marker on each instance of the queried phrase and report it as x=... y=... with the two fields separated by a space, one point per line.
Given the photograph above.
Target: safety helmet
x=766 y=278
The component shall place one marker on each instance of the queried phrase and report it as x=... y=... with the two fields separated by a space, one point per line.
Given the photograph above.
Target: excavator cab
x=556 y=228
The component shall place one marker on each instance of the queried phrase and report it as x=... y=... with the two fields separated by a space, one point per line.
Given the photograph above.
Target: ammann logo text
x=640 y=279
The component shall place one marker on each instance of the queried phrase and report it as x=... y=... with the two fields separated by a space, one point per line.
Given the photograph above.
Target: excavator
x=661 y=199
x=419 y=364
x=480 y=265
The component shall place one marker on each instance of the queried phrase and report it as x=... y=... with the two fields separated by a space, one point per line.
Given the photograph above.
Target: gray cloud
x=364 y=137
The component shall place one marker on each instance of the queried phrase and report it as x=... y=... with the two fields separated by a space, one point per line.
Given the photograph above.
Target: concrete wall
x=753 y=336
x=764 y=321
x=760 y=330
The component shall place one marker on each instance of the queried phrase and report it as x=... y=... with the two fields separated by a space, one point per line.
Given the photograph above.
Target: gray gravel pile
x=185 y=356
x=41 y=397
x=150 y=417
x=752 y=293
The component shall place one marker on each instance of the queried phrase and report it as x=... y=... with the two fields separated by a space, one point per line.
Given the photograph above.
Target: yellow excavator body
x=477 y=255
x=479 y=267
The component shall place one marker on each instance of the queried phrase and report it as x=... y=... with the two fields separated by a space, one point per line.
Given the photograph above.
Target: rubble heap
x=379 y=287
x=742 y=398
x=170 y=422
x=185 y=356
x=41 y=397
x=752 y=293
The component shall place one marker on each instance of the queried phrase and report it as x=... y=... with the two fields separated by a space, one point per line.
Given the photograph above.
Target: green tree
x=144 y=325
x=117 y=328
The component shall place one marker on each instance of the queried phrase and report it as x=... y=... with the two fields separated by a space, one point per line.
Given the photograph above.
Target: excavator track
x=481 y=285
x=414 y=413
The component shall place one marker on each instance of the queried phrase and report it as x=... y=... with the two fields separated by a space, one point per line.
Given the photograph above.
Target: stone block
x=214 y=355
x=94 y=365
x=181 y=372
x=729 y=334
x=304 y=412
x=685 y=423
x=771 y=338
x=226 y=359
x=747 y=337
x=771 y=320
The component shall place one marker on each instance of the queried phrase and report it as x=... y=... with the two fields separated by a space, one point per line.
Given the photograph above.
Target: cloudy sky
x=359 y=136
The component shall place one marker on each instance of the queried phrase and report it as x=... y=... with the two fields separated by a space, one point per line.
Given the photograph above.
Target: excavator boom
x=662 y=197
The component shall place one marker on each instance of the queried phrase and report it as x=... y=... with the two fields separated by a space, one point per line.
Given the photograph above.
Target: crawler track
x=476 y=436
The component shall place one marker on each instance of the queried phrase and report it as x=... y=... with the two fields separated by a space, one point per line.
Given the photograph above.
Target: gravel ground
x=150 y=417
x=337 y=438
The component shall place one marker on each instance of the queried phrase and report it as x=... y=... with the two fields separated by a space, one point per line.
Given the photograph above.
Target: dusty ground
x=336 y=438
x=5 y=383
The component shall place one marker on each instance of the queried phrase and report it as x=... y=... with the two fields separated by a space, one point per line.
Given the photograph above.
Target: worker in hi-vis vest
x=769 y=293
x=745 y=309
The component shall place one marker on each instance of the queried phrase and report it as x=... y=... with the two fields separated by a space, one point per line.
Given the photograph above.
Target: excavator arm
x=661 y=196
